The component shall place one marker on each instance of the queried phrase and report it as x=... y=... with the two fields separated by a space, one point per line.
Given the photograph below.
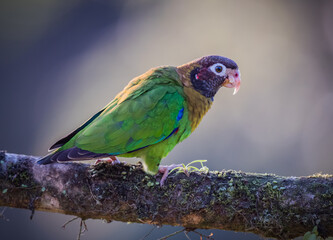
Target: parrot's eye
x=218 y=68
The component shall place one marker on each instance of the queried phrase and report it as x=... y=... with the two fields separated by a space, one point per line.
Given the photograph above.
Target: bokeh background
x=63 y=60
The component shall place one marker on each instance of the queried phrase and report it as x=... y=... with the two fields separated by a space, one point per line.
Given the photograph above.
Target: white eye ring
x=215 y=69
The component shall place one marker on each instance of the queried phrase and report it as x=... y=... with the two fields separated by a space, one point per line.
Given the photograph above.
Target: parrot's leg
x=113 y=160
x=165 y=170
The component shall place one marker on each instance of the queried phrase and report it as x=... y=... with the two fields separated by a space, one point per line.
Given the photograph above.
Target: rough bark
x=265 y=204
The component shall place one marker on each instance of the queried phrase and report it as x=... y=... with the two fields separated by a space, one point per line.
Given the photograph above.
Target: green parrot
x=153 y=113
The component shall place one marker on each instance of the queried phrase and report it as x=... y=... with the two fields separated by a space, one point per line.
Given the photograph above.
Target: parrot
x=151 y=115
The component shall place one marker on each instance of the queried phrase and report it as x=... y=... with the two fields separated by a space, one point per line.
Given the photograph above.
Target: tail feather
x=71 y=154
x=46 y=159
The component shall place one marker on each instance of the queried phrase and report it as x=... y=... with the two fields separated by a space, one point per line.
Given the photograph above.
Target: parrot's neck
x=197 y=105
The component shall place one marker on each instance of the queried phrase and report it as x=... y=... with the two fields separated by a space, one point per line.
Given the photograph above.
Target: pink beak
x=233 y=80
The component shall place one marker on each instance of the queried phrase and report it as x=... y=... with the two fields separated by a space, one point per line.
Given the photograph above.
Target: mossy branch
x=266 y=204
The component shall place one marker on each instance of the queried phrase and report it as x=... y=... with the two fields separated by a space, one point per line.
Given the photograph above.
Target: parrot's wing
x=64 y=140
x=137 y=121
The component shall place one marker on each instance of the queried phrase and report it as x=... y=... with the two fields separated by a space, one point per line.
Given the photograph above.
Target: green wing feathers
x=133 y=124
x=145 y=113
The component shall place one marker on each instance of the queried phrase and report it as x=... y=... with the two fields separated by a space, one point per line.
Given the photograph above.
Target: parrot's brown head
x=207 y=74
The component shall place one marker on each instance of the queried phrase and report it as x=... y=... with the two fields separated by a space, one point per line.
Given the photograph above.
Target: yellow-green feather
x=198 y=105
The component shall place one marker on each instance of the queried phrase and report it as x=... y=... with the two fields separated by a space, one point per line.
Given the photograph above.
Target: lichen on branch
x=266 y=204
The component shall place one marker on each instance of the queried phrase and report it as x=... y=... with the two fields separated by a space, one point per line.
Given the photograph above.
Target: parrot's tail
x=71 y=154
x=46 y=160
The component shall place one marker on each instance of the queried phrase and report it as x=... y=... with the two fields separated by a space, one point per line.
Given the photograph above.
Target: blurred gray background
x=63 y=60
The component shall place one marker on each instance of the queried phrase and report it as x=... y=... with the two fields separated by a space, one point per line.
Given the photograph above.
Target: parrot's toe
x=113 y=160
x=165 y=171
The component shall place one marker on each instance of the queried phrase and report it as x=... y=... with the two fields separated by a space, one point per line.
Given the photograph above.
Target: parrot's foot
x=165 y=170
x=113 y=160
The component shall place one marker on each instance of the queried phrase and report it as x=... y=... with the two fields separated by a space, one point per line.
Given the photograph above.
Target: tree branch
x=265 y=204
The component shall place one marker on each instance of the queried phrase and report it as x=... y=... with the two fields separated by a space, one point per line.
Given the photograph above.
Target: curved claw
x=113 y=160
x=165 y=171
